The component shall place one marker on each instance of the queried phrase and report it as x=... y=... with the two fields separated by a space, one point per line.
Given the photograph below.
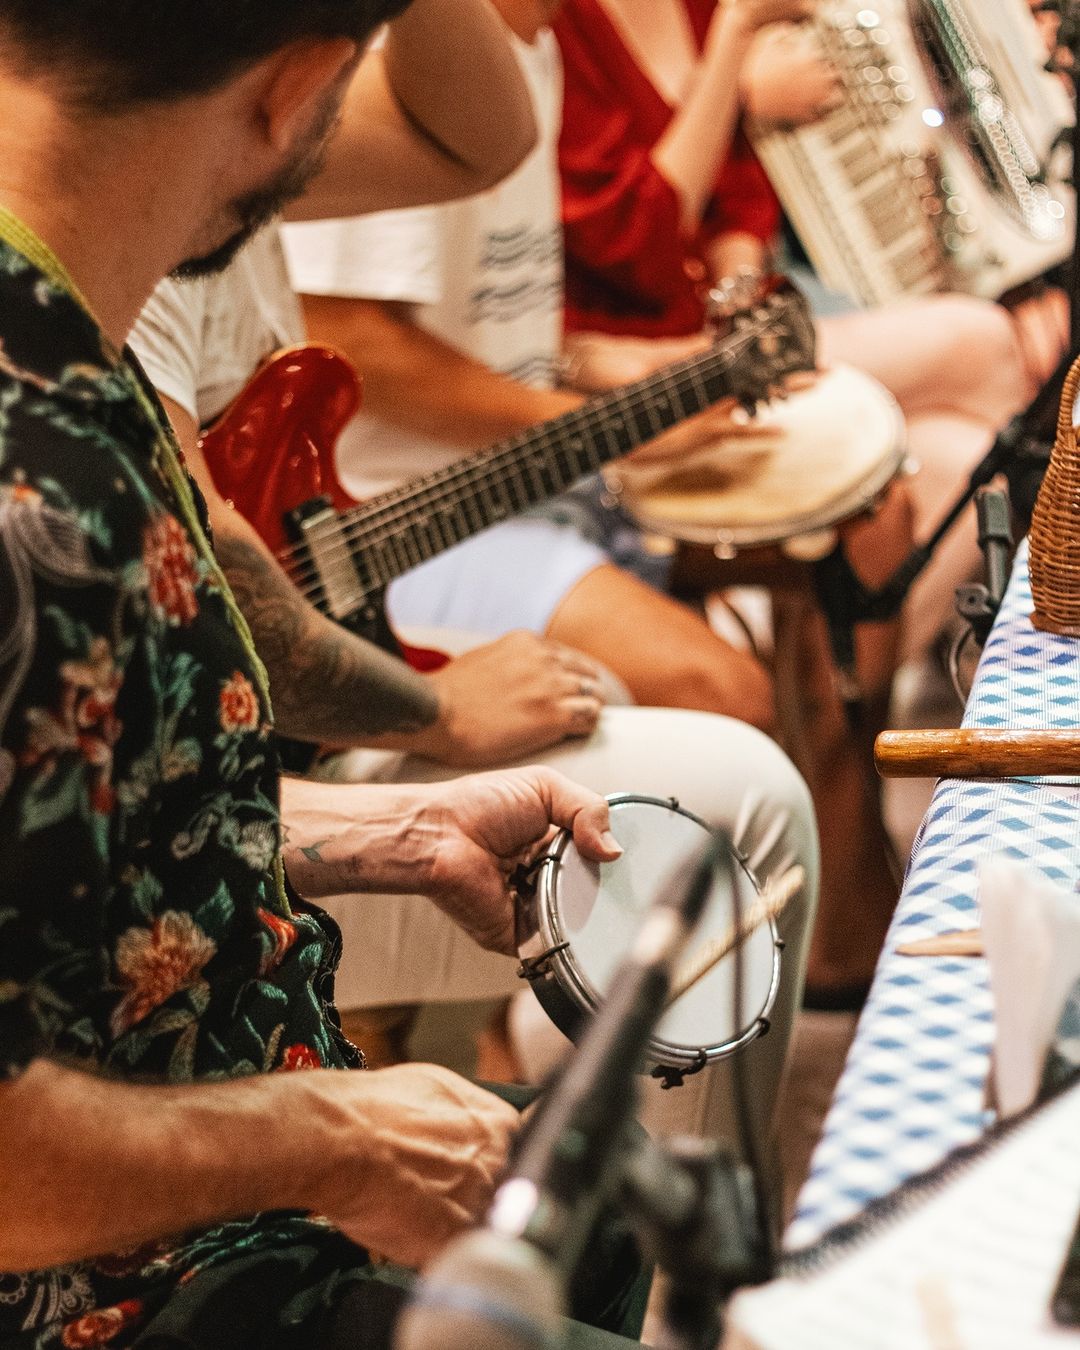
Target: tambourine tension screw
x=536 y=967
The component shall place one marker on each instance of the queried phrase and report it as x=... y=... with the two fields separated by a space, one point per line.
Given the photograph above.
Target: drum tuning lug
x=765 y=1024
x=780 y=944
x=673 y=802
x=671 y=1077
x=538 y=967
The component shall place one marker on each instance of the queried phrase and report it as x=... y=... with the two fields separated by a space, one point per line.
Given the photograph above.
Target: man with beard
x=159 y=971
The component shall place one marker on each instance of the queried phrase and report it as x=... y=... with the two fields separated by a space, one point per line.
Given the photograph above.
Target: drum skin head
x=832 y=450
x=598 y=909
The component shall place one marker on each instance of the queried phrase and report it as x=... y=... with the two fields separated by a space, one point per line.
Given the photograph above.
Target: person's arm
x=697 y=139
x=327 y=685
x=628 y=209
x=508 y=698
x=455 y=842
x=440 y=111
x=421 y=383
x=400 y=1159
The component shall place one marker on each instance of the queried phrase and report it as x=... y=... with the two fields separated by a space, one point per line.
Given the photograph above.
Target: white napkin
x=1031 y=935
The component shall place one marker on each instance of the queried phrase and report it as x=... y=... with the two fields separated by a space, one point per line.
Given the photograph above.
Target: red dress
x=630 y=267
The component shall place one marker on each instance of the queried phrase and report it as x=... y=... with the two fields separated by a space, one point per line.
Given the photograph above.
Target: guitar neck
x=398 y=530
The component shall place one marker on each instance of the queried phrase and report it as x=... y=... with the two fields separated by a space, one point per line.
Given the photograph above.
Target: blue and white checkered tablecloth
x=914 y=1084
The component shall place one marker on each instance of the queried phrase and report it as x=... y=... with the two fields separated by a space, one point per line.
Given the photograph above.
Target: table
x=913 y=1087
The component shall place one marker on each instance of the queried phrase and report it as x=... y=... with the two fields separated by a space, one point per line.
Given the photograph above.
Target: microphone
x=979 y=602
x=486 y=1291
x=503 y=1287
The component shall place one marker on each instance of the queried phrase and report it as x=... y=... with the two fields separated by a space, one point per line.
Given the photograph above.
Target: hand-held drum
x=578 y=920
x=821 y=456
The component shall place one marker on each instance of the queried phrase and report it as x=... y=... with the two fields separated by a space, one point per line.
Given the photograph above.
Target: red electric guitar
x=271 y=456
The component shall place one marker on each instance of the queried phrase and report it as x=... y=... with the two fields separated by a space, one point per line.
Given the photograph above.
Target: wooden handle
x=976 y=753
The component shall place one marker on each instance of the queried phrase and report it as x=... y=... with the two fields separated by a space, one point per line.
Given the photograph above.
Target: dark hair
x=108 y=54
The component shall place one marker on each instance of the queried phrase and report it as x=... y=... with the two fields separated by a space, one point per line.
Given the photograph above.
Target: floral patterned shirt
x=140 y=931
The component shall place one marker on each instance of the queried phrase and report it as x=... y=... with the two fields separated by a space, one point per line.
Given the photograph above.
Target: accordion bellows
x=1054 y=560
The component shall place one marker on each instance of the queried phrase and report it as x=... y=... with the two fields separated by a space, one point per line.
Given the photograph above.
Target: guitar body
x=271 y=452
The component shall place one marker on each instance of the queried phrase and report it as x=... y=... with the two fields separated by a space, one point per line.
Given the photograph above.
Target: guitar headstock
x=766 y=323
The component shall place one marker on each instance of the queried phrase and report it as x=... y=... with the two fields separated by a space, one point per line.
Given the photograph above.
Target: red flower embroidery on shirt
x=171 y=575
x=300 y=1057
x=85 y=722
x=284 y=935
x=238 y=706
x=102 y=1325
x=115 y=1265
x=157 y=962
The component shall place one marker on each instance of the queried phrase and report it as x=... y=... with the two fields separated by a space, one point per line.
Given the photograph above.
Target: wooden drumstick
x=961 y=942
x=775 y=894
x=976 y=753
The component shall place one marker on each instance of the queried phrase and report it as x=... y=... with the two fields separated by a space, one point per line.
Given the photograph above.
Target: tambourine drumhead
x=835 y=448
x=596 y=909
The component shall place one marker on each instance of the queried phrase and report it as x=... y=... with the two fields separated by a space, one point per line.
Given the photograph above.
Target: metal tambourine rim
x=767 y=535
x=573 y=995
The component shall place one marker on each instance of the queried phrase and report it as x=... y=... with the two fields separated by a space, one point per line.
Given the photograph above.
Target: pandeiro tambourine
x=577 y=920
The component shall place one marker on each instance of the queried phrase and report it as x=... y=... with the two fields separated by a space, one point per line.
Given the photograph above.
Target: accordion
x=945 y=168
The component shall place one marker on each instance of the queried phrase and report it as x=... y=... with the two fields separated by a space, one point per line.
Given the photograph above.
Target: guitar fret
x=515 y=483
x=449 y=526
x=500 y=494
x=472 y=512
x=533 y=477
x=419 y=521
x=433 y=540
x=571 y=458
x=675 y=407
x=393 y=543
x=384 y=574
x=551 y=472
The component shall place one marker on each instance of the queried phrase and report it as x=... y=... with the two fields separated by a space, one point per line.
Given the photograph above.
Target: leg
x=960 y=368
x=663 y=652
x=947 y=448
x=935 y=353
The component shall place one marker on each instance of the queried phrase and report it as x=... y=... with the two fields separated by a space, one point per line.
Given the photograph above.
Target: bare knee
x=976 y=348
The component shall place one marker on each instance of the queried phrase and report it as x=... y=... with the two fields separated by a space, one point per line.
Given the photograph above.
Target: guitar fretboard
x=395 y=532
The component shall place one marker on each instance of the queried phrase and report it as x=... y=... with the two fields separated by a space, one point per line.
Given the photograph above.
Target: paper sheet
x=1031 y=935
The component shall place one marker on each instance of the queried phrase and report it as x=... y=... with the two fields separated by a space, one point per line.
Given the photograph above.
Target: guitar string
x=426 y=506
x=485 y=464
x=395 y=545
x=468 y=466
x=379 y=526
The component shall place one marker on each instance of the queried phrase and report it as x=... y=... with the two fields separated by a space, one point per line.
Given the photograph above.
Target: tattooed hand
x=455 y=842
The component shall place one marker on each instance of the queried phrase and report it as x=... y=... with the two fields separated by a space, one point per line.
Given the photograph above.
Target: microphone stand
x=694 y=1210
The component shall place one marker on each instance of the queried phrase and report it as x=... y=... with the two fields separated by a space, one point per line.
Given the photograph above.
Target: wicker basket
x=1054 y=559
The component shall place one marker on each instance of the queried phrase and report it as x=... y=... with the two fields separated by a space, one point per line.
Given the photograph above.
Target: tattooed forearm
x=327 y=684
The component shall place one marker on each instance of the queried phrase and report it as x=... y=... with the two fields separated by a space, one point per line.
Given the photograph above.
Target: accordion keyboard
x=928 y=177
